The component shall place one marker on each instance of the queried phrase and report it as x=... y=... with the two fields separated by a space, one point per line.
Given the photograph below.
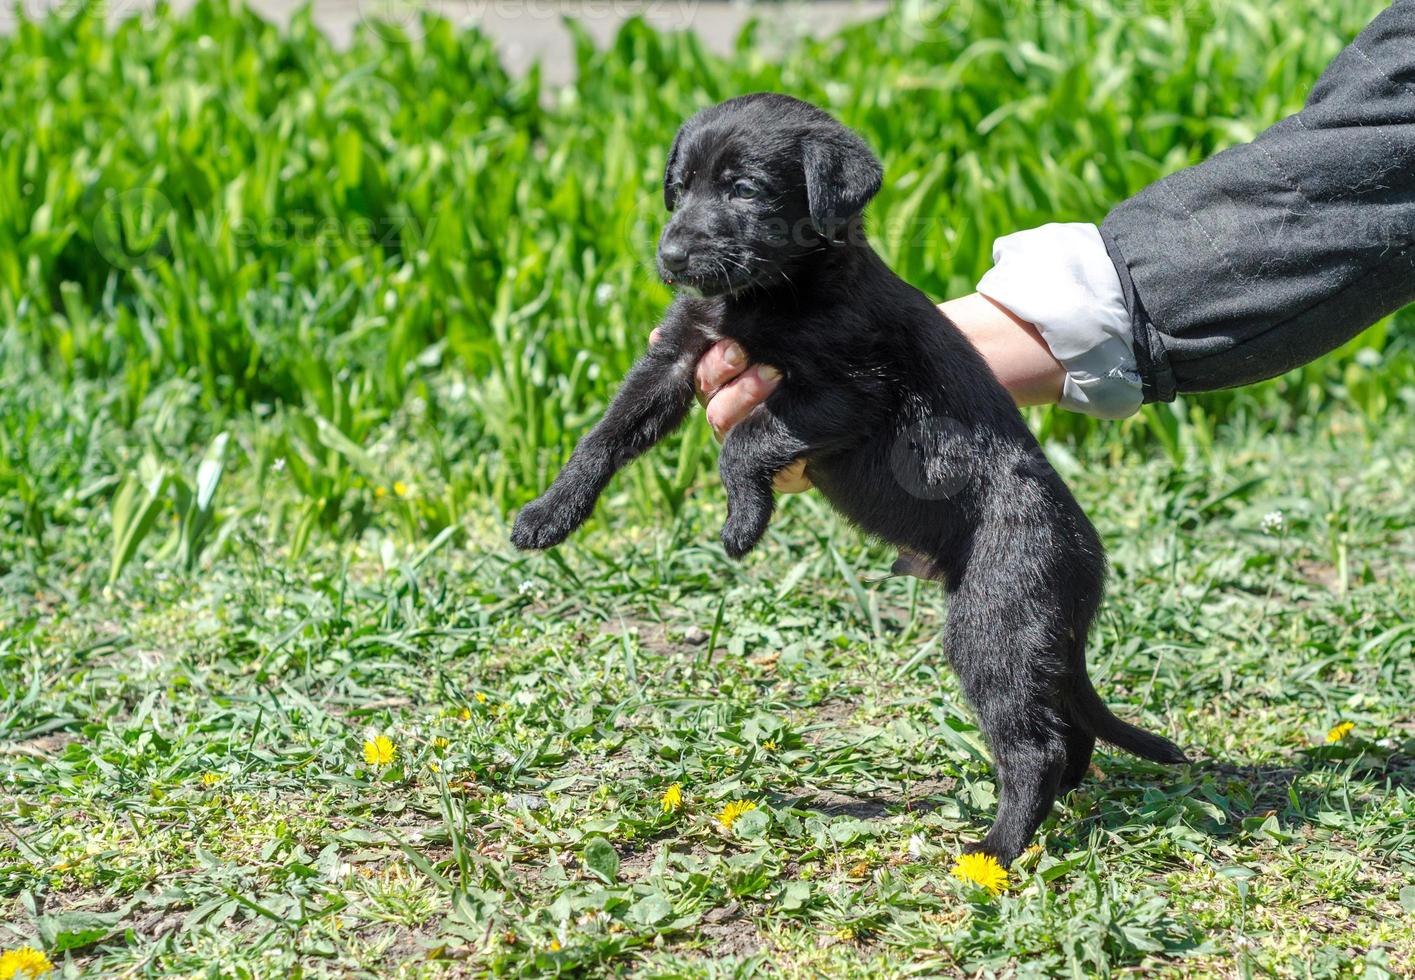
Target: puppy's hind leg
x=1080 y=745
x=1008 y=681
x=1029 y=770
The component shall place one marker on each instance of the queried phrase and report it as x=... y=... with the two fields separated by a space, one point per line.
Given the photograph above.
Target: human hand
x=729 y=388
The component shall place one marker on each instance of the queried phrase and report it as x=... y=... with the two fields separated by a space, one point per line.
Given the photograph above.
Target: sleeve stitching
x=1355 y=46
x=1228 y=264
x=1291 y=181
x=1380 y=72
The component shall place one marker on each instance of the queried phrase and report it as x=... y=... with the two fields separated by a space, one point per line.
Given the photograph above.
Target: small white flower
x=603 y=293
x=279 y=465
x=526 y=587
x=1273 y=522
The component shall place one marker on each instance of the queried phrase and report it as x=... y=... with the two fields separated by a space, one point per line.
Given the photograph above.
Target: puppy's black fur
x=904 y=429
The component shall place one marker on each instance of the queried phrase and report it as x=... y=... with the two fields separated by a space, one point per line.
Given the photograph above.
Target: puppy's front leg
x=755 y=450
x=653 y=400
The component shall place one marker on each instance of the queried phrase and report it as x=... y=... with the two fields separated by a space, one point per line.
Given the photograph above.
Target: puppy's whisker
x=741 y=265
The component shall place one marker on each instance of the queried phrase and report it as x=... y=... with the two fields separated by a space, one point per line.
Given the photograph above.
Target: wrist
x=1012 y=347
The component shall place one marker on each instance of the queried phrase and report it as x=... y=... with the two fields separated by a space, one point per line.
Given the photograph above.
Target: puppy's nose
x=674 y=256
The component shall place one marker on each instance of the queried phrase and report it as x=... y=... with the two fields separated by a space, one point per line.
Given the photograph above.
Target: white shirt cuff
x=1059 y=278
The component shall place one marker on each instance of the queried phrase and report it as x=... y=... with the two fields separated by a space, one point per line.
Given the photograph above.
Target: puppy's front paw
x=740 y=535
x=544 y=523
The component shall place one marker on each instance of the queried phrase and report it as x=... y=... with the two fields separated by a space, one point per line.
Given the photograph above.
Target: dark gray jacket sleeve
x=1274 y=252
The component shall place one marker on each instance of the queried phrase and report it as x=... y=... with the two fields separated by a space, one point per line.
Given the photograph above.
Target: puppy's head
x=757 y=185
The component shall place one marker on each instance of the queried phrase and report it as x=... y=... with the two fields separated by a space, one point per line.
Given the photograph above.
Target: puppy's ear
x=670 y=195
x=841 y=177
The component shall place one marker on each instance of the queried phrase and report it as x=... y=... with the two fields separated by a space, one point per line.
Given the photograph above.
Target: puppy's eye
x=746 y=190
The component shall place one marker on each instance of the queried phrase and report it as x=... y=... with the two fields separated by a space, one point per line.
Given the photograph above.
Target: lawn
x=288 y=332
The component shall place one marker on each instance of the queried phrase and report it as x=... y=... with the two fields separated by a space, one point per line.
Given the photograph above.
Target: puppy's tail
x=1090 y=713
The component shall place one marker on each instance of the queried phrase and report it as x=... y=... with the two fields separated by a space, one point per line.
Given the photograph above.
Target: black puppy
x=904 y=429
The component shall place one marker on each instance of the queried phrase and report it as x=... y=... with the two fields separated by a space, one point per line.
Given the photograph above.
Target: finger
x=723 y=361
x=793 y=479
x=655 y=335
x=732 y=403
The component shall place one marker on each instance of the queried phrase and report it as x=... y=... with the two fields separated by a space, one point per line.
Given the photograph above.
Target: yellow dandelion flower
x=982 y=870
x=400 y=488
x=434 y=767
x=380 y=751
x=860 y=870
x=845 y=934
x=465 y=714
x=555 y=945
x=380 y=492
x=769 y=746
x=210 y=779
x=1339 y=732
x=729 y=814
x=440 y=743
x=481 y=698
x=23 y=962
x=672 y=798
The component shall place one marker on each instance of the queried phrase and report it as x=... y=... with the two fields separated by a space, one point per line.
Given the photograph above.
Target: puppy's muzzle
x=674 y=256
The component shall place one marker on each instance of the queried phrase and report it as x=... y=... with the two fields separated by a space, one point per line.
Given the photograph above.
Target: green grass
x=287 y=331
x=186 y=768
